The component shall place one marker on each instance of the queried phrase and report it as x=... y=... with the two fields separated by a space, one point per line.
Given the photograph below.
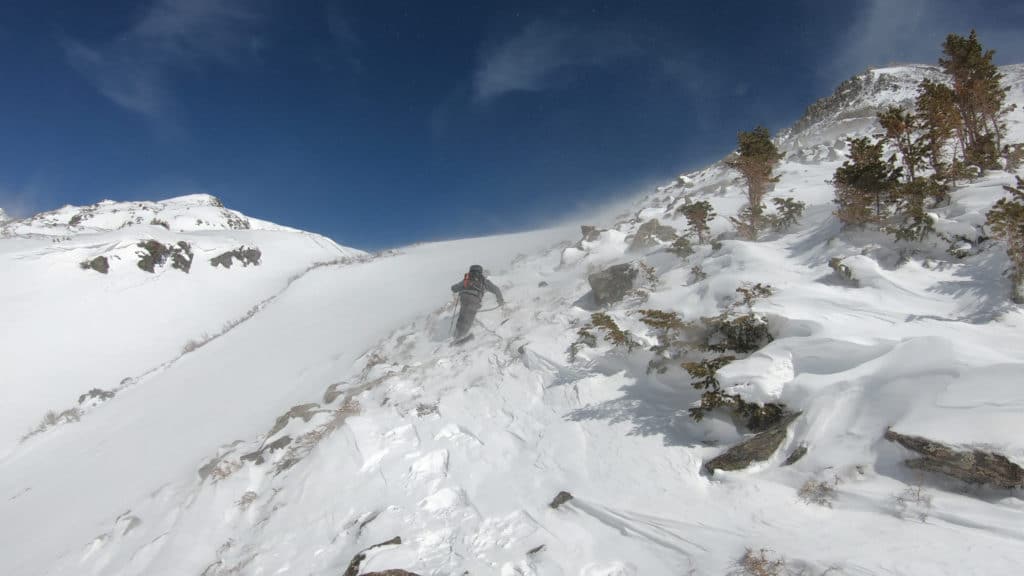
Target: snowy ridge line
x=95 y=397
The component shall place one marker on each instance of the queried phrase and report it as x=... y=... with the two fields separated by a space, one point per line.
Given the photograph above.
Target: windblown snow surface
x=335 y=416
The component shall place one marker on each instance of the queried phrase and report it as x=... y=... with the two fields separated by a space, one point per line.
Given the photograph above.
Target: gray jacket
x=471 y=287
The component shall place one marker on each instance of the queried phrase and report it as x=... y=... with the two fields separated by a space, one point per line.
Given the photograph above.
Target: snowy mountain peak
x=852 y=108
x=3 y=216
x=194 y=212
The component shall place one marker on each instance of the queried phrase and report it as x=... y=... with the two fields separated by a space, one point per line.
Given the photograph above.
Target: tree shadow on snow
x=982 y=289
x=657 y=405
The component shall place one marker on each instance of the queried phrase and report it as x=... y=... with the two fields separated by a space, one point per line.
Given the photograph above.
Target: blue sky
x=384 y=123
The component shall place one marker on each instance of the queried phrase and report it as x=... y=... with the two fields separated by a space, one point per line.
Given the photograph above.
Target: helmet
x=476 y=269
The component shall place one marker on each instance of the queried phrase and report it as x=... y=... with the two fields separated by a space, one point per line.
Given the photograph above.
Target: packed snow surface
x=326 y=411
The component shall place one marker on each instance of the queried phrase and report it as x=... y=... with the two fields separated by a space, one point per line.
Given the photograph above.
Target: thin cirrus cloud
x=528 y=61
x=134 y=69
x=885 y=32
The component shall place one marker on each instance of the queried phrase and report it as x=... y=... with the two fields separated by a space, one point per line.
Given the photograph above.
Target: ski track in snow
x=458 y=451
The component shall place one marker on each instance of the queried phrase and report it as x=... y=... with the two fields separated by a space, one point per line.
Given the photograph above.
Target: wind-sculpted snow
x=338 y=418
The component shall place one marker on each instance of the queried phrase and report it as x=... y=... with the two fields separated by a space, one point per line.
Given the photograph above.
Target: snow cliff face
x=327 y=413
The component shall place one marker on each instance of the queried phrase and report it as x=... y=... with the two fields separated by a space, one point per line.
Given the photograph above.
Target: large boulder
x=972 y=466
x=757 y=449
x=612 y=284
x=651 y=234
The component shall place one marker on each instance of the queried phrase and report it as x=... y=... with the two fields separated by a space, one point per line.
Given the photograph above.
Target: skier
x=471 y=294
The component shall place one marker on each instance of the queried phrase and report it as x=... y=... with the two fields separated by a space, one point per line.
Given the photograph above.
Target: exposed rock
x=650 y=234
x=841 y=270
x=796 y=455
x=612 y=284
x=181 y=257
x=304 y=411
x=245 y=255
x=357 y=560
x=756 y=449
x=332 y=392
x=99 y=264
x=542 y=284
x=257 y=456
x=974 y=466
x=155 y=254
x=97 y=394
x=591 y=233
x=560 y=498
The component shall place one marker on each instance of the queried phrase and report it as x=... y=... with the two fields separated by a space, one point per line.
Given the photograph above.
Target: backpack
x=473 y=282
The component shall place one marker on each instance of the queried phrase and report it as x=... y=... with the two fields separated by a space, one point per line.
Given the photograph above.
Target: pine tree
x=864 y=184
x=940 y=122
x=1006 y=219
x=698 y=214
x=912 y=200
x=980 y=96
x=755 y=160
x=900 y=130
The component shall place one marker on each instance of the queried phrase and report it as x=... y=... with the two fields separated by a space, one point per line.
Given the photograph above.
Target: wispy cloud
x=887 y=31
x=20 y=202
x=344 y=35
x=528 y=61
x=133 y=70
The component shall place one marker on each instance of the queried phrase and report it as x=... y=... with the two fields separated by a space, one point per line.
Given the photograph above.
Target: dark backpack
x=474 y=282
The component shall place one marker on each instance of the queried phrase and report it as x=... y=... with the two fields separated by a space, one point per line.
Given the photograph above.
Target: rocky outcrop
x=357 y=560
x=796 y=455
x=756 y=449
x=99 y=264
x=590 y=233
x=971 y=466
x=612 y=284
x=650 y=234
x=154 y=254
x=560 y=498
x=245 y=254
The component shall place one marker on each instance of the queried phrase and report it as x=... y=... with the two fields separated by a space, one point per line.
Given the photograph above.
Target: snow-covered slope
x=337 y=417
x=69 y=329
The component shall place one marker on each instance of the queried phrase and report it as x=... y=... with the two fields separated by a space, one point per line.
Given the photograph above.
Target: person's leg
x=468 y=307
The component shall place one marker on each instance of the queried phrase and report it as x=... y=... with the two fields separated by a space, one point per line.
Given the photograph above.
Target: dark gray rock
x=357 y=560
x=756 y=449
x=98 y=394
x=974 y=466
x=257 y=456
x=245 y=255
x=153 y=254
x=304 y=411
x=591 y=233
x=796 y=455
x=651 y=234
x=181 y=256
x=99 y=264
x=560 y=498
x=612 y=284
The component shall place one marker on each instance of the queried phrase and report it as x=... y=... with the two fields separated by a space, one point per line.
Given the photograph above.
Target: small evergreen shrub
x=698 y=274
x=787 y=213
x=1006 y=220
x=698 y=214
x=681 y=247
